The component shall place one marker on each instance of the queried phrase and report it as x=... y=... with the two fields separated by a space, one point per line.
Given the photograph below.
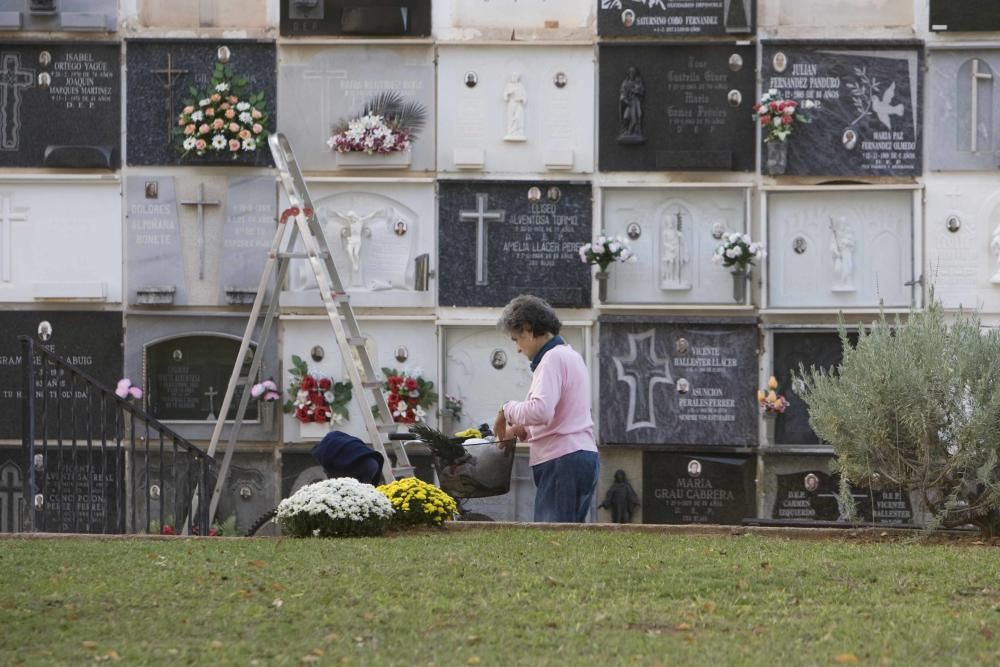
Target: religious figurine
x=630 y=108
x=620 y=499
x=516 y=97
x=995 y=249
x=842 y=248
x=673 y=254
x=353 y=231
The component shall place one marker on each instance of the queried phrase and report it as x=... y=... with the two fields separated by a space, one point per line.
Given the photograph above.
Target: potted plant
x=777 y=118
x=267 y=395
x=771 y=404
x=602 y=252
x=380 y=136
x=340 y=507
x=740 y=252
x=316 y=400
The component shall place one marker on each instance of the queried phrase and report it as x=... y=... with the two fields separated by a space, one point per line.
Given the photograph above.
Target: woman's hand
x=500 y=425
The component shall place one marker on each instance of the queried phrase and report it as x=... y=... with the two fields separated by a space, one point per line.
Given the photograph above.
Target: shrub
x=916 y=406
x=416 y=502
x=341 y=507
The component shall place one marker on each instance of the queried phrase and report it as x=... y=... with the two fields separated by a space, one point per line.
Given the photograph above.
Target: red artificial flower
x=773 y=106
x=787 y=120
x=325 y=384
x=308 y=383
x=322 y=414
x=393 y=400
x=411 y=384
x=302 y=414
x=168 y=530
x=756 y=108
x=394 y=381
x=317 y=398
x=765 y=120
x=213 y=533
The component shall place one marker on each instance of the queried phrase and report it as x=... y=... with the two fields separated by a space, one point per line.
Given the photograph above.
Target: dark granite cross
x=201 y=203
x=642 y=370
x=481 y=216
x=168 y=80
x=12 y=80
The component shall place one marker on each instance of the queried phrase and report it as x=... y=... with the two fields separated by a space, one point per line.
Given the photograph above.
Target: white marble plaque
x=504 y=110
x=413 y=341
x=962 y=235
x=60 y=242
x=376 y=233
x=964 y=94
x=320 y=86
x=840 y=249
x=676 y=231
x=466 y=19
x=824 y=14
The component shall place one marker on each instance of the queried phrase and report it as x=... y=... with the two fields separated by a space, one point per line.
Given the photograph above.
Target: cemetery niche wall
x=166 y=77
x=505 y=239
x=963 y=16
x=697 y=488
x=64 y=15
x=676 y=107
x=675 y=18
x=841 y=248
x=964 y=93
x=323 y=88
x=869 y=119
x=355 y=18
x=674 y=233
x=199 y=240
x=678 y=381
x=61 y=105
x=510 y=20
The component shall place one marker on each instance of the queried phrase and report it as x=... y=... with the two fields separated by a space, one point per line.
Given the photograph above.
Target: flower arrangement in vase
x=771 y=402
x=126 y=390
x=316 y=398
x=408 y=395
x=739 y=251
x=387 y=124
x=224 y=119
x=603 y=252
x=777 y=118
x=267 y=394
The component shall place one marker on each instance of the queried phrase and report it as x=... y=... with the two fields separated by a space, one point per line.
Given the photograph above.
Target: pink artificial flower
x=218 y=123
x=234 y=145
x=234 y=128
x=230 y=113
x=204 y=128
x=209 y=111
x=256 y=115
x=215 y=97
x=189 y=110
x=201 y=144
x=257 y=128
x=244 y=134
x=189 y=129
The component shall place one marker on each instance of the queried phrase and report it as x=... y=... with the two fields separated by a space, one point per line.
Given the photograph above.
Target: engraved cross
x=642 y=370
x=8 y=216
x=481 y=216
x=977 y=76
x=12 y=80
x=201 y=203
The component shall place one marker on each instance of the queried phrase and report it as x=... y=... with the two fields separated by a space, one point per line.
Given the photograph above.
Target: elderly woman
x=555 y=418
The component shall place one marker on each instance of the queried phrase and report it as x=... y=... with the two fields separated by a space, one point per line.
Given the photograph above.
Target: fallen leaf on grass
x=89 y=644
x=474 y=660
x=332 y=637
x=216 y=644
x=256 y=563
x=472 y=639
x=277 y=602
x=682 y=627
x=845 y=658
x=985 y=631
x=551 y=581
x=709 y=607
x=368 y=616
x=766 y=565
x=308 y=658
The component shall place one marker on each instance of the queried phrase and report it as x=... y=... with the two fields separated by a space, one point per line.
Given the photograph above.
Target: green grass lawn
x=498 y=597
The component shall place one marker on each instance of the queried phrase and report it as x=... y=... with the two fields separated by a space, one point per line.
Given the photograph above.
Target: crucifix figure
x=977 y=76
x=481 y=216
x=201 y=203
x=8 y=216
x=353 y=231
x=211 y=393
x=12 y=80
x=168 y=80
x=642 y=372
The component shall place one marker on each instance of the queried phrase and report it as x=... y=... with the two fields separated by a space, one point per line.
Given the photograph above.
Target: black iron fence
x=98 y=463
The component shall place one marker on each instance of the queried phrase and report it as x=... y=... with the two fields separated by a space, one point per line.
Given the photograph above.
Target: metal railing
x=97 y=463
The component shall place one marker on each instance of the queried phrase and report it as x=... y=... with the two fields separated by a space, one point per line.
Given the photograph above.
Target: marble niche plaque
x=694 y=488
x=185 y=364
x=61 y=16
x=674 y=233
x=78 y=233
x=964 y=16
x=381 y=236
x=92 y=341
x=61 y=105
x=197 y=241
x=840 y=249
x=962 y=236
x=675 y=18
x=321 y=87
x=869 y=119
x=811 y=493
x=493 y=19
x=676 y=107
x=161 y=76
x=512 y=112
x=819 y=349
x=678 y=381
x=402 y=344
x=356 y=18
x=505 y=239
x=964 y=127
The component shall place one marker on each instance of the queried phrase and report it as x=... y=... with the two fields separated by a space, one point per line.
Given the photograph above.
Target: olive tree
x=915 y=404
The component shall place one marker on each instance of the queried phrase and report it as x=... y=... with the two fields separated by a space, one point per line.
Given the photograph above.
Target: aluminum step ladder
x=364 y=376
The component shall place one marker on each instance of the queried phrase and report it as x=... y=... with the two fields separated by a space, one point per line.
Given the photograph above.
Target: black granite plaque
x=90 y=340
x=675 y=18
x=678 y=381
x=61 y=105
x=369 y=18
x=187 y=378
x=869 y=121
x=499 y=240
x=812 y=495
x=964 y=15
x=164 y=76
x=810 y=348
x=691 y=488
x=676 y=107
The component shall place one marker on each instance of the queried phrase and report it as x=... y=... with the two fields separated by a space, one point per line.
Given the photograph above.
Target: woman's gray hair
x=529 y=313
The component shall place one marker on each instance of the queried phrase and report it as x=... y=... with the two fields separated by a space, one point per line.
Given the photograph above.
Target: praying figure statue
x=621 y=499
x=630 y=108
x=995 y=249
x=516 y=97
x=842 y=249
x=353 y=231
x=673 y=254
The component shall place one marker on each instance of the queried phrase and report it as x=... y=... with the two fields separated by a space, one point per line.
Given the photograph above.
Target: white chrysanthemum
x=222 y=87
x=249 y=144
x=189 y=143
x=242 y=106
x=245 y=118
x=204 y=103
x=197 y=116
x=218 y=142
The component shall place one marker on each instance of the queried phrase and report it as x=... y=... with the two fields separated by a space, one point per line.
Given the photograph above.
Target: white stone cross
x=211 y=393
x=201 y=203
x=12 y=80
x=481 y=216
x=8 y=216
x=977 y=76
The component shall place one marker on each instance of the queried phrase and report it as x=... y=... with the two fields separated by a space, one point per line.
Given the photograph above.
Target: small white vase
x=362 y=160
x=313 y=431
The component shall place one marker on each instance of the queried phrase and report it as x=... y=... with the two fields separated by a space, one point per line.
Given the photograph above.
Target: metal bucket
x=484 y=470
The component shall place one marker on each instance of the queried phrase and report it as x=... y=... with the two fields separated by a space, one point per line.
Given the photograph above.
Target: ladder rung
x=371 y=384
x=387 y=428
x=341 y=297
x=299 y=255
x=357 y=341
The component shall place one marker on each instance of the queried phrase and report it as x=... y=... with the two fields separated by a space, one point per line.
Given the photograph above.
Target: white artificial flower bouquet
x=739 y=250
x=340 y=507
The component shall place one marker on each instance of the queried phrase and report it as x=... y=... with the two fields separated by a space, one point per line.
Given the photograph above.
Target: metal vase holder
x=602 y=286
x=769 y=419
x=741 y=278
x=776 y=157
